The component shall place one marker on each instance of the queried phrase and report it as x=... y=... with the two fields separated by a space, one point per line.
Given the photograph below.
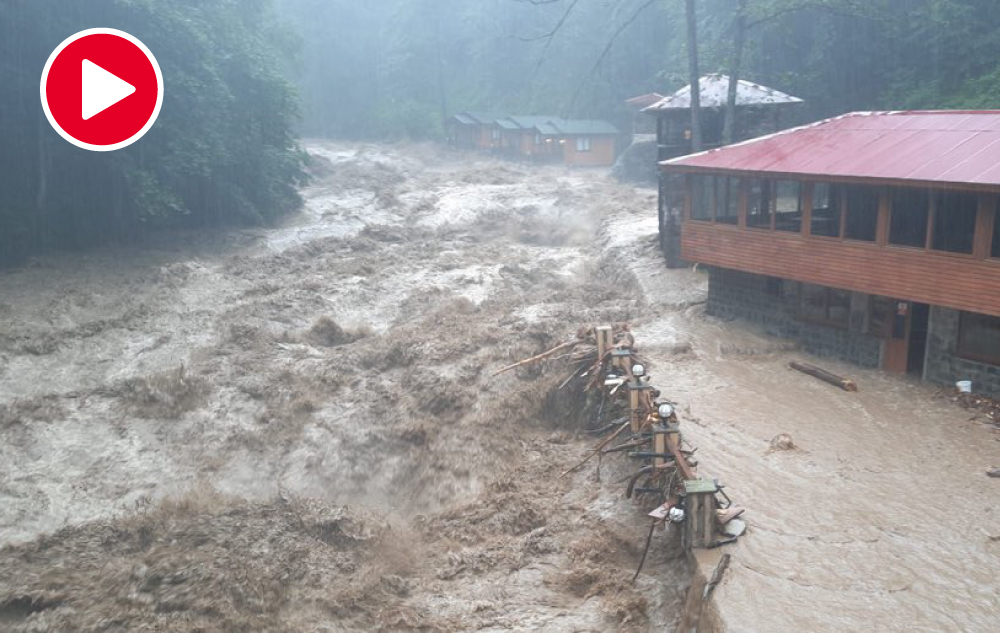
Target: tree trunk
x=692 y=49
x=442 y=88
x=735 y=66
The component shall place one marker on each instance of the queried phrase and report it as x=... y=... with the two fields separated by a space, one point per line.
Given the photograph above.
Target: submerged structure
x=474 y=130
x=873 y=237
x=576 y=142
x=759 y=110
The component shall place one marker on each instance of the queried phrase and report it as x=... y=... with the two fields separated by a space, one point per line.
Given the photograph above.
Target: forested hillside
x=391 y=68
x=222 y=150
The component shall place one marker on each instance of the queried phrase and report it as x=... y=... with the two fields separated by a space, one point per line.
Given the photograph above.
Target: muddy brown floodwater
x=299 y=428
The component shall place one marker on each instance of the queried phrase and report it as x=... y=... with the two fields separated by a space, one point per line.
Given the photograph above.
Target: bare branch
x=607 y=48
x=551 y=34
x=853 y=10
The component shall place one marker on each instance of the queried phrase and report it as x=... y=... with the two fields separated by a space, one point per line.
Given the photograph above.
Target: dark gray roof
x=527 y=123
x=577 y=127
x=477 y=118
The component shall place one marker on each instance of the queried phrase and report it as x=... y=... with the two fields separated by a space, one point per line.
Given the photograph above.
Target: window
x=727 y=196
x=702 y=197
x=979 y=338
x=583 y=144
x=862 y=212
x=826 y=305
x=954 y=221
x=538 y=139
x=995 y=249
x=759 y=204
x=787 y=206
x=908 y=220
x=496 y=134
x=826 y=210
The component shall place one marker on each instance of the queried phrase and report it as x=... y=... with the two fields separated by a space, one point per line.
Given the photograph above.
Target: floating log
x=538 y=357
x=828 y=377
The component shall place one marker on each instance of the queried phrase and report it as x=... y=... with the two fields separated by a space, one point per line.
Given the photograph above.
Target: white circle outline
x=159 y=90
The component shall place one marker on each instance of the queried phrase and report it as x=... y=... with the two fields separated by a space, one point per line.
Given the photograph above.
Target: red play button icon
x=102 y=89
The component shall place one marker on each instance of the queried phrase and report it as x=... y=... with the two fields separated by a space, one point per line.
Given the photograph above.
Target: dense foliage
x=223 y=149
x=392 y=68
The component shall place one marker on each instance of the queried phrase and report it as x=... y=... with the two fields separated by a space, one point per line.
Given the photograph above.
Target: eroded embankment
x=298 y=428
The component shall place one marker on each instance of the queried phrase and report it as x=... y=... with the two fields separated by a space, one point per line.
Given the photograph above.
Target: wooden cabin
x=759 y=110
x=474 y=131
x=581 y=142
x=520 y=138
x=873 y=237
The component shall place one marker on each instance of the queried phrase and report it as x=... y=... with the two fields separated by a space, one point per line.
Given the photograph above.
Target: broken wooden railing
x=637 y=421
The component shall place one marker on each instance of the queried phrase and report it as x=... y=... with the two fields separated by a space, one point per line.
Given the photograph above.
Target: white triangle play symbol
x=101 y=89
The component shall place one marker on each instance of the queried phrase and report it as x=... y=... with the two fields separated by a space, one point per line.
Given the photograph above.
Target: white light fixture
x=638 y=370
x=676 y=515
x=666 y=410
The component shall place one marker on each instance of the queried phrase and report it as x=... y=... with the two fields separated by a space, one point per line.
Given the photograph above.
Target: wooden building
x=474 y=131
x=873 y=237
x=520 y=138
x=759 y=110
x=581 y=142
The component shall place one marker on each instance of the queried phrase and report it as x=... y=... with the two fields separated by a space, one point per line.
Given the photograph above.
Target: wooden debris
x=538 y=357
x=597 y=450
x=988 y=407
x=994 y=472
x=828 y=377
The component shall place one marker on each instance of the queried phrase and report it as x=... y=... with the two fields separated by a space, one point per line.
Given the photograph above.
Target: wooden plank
x=943 y=279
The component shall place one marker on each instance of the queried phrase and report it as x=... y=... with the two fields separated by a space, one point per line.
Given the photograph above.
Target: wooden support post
x=659 y=444
x=605 y=340
x=621 y=358
x=699 y=513
x=638 y=400
x=633 y=407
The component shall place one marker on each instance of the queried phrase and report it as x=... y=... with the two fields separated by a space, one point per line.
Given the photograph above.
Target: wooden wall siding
x=602 y=152
x=956 y=281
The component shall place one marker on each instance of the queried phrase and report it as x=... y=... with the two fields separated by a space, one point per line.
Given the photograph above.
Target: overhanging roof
x=576 y=127
x=957 y=147
x=476 y=118
x=523 y=123
x=714 y=91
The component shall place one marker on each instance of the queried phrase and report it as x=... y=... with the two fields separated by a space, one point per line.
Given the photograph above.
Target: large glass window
x=702 y=198
x=759 y=204
x=995 y=248
x=954 y=221
x=908 y=222
x=862 y=212
x=788 y=206
x=979 y=337
x=727 y=196
x=826 y=210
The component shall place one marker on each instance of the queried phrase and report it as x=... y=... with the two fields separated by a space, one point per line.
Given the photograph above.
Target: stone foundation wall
x=942 y=364
x=765 y=301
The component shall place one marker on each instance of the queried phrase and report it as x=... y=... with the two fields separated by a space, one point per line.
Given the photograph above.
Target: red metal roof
x=942 y=146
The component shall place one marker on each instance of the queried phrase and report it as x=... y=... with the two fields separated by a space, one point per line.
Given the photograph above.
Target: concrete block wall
x=942 y=363
x=762 y=300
